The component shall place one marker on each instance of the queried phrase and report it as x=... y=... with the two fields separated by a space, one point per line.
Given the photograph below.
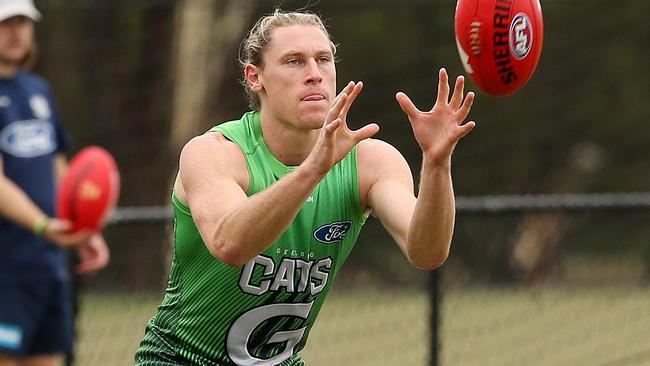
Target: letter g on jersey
x=243 y=327
x=333 y=233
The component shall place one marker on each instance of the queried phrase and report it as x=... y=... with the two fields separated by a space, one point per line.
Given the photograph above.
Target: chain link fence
x=532 y=280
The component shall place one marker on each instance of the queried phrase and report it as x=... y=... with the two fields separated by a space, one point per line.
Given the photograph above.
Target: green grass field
x=547 y=326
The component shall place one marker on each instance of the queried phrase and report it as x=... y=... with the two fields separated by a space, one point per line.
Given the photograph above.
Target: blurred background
x=527 y=283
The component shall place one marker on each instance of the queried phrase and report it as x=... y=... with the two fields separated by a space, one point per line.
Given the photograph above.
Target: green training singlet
x=259 y=314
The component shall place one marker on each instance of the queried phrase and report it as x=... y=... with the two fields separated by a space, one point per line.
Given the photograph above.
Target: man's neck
x=7 y=69
x=289 y=145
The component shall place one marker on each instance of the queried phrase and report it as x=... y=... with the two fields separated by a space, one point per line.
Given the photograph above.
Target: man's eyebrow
x=291 y=54
x=294 y=53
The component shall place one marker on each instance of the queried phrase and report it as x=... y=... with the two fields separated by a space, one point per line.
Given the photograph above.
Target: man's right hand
x=58 y=231
x=336 y=139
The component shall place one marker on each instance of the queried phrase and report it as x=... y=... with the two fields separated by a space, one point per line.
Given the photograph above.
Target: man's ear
x=253 y=77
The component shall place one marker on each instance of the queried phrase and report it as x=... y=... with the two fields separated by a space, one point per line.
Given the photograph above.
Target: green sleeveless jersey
x=261 y=313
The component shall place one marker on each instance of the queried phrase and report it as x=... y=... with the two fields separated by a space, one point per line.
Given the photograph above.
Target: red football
x=499 y=42
x=89 y=189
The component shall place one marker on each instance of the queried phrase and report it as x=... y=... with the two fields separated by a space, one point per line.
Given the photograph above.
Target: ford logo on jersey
x=332 y=233
x=28 y=138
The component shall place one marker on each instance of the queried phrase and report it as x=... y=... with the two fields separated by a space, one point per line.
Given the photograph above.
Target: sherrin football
x=89 y=190
x=499 y=42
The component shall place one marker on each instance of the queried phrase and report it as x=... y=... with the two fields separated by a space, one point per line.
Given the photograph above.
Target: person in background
x=268 y=207
x=36 y=314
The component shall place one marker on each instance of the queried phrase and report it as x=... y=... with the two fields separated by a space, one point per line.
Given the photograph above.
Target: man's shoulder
x=374 y=149
x=222 y=140
x=210 y=140
x=376 y=158
x=212 y=149
x=32 y=80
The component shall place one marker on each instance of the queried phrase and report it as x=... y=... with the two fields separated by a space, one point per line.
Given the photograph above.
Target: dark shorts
x=35 y=318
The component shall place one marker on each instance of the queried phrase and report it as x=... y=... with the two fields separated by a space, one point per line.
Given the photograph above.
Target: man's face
x=16 y=35
x=298 y=76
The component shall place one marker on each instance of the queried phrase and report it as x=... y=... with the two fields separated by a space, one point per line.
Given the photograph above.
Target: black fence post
x=434 y=321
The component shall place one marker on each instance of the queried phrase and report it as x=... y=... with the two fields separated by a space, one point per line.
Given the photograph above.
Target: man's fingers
x=331 y=127
x=86 y=267
x=59 y=231
x=457 y=97
x=79 y=237
x=443 y=86
x=351 y=97
x=93 y=255
x=463 y=112
x=365 y=132
x=91 y=264
x=464 y=129
x=407 y=105
x=335 y=109
x=87 y=260
x=346 y=90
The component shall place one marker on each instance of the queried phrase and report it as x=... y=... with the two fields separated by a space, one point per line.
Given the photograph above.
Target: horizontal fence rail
x=554 y=202
x=464 y=204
